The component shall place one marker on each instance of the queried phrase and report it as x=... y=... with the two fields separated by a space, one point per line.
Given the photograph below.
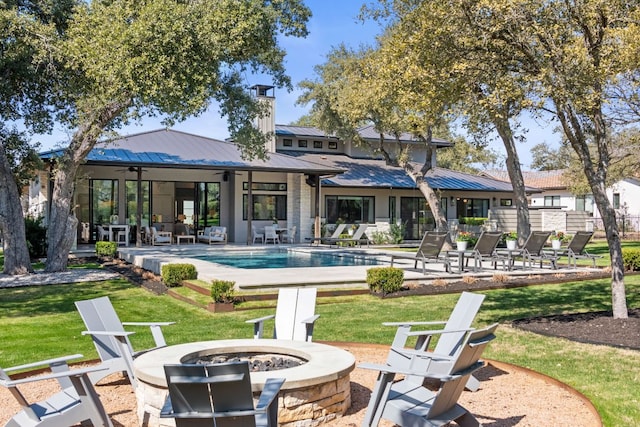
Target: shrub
x=396 y=232
x=385 y=279
x=223 y=290
x=469 y=220
x=631 y=259
x=174 y=274
x=106 y=249
x=36 y=235
x=380 y=237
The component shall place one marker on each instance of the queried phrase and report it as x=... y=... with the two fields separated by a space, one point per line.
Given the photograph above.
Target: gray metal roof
x=377 y=174
x=366 y=132
x=175 y=149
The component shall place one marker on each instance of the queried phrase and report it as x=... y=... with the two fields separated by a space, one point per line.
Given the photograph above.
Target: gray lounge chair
x=408 y=402
x=485 y=250
x=533 y=250
x=110 y=338
x=428 y=251
x=195 y=389
x=451 y=335
x=295 y=315
x=75 y=403
x=576 y=248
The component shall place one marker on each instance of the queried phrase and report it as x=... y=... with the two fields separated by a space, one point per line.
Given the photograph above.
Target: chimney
x=267 y=124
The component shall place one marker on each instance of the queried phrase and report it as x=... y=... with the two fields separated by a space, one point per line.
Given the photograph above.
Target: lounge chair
x=160 y=237
x=212 y=235
x=485 y=250
x=450 y=335
x=533 y=250
x=75 y=403
x=219 y=395
x=110 y=339
x=358 y=237
x=336 y=234
x=408 y=402
x=428 y=251
x=576 y=248
x=295 y=315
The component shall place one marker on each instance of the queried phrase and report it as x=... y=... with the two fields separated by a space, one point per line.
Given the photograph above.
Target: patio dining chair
x=75 y=402
x=102 y=233
x=110 y=339
x=270 y=234
x=289 y=236
x=255 y=235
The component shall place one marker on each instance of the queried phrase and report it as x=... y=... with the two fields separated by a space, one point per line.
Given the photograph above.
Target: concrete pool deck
x=354 y=277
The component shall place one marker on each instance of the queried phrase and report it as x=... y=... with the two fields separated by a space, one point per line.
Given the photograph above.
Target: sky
x=333 y=22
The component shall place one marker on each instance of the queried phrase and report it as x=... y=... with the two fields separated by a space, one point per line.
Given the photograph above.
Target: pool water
x=285 y=259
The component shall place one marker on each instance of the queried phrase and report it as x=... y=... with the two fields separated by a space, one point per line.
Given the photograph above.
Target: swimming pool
x=286 y=259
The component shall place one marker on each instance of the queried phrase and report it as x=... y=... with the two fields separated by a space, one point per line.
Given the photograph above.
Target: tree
x=121 y=60
x=437 y=42
x=545 y=158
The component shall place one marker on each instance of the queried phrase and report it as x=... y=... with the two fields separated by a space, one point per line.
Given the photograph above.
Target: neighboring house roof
x=174 y=149
x=377 y=174
x=366 y=132
x=544 y=180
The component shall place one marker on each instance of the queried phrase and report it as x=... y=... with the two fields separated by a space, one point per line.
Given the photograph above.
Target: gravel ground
x=508 y=397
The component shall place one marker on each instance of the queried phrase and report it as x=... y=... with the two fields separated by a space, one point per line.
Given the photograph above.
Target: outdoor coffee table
x=187 y=237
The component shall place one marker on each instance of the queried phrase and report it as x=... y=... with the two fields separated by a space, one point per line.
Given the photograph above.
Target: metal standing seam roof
x=377 y=174
x=174 y=149
x=366 y=132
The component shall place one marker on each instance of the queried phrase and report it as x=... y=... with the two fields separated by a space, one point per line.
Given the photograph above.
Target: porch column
x=249 y=206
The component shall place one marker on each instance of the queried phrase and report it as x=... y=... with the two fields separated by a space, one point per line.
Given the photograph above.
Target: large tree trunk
x=16 y=253
x=596 y=175
x=62 y=220
x=62 y=223
x=517 y=181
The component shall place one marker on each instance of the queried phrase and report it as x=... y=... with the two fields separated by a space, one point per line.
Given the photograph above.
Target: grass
x=41 y=321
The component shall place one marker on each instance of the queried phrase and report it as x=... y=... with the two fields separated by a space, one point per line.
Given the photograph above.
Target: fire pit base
x=314 y=393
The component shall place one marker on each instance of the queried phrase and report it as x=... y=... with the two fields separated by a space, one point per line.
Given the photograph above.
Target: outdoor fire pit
x=316 y=391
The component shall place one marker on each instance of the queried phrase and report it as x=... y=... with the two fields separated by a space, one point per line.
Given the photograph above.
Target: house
x=555 y=193
x=181 y=178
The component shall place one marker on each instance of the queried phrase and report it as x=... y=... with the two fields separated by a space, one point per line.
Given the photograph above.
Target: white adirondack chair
x=295 y=315
x=110 y=339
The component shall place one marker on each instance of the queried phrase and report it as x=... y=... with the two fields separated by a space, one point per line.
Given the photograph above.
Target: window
x=104 y=201
x=506 y=202
x=302 y=143
x=317 y=144
x=552 y=200
x=350 y=209
x=616 y=200
x=584 y=203
x=208 y=204
x=266 y=207
x=287 y=142
x=333 y=145
x=265 y=186
x=132 y=201
x=478 y=208
x=392 y=209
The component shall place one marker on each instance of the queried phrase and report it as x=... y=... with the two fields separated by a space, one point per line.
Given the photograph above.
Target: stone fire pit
x=315 y=392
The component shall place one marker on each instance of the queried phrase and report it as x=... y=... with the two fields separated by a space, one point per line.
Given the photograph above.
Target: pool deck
x=352 y=277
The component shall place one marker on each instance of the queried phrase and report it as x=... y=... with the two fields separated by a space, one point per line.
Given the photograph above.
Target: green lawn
x=42 y=322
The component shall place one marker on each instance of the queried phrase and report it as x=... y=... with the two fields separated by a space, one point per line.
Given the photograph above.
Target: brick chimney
x=267 y=124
